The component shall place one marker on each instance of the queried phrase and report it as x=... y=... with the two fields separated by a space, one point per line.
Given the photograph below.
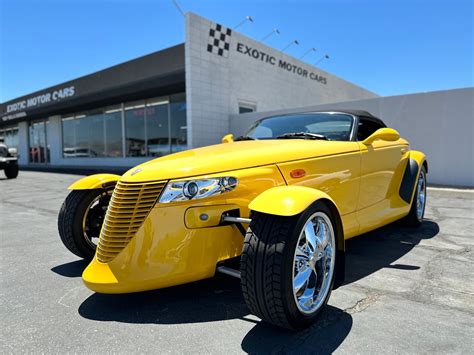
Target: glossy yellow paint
x=174 y=245
x=206 y=216
x=164 y=252
x=382 y=166
x=94 y=181
x=337 y=176
x=418 y=156
x=385 y=134
x=231 y=157
x=228 y=138
x=381 y=163
x=286 y=200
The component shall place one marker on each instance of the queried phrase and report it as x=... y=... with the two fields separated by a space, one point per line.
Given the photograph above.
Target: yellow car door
x=382 y=165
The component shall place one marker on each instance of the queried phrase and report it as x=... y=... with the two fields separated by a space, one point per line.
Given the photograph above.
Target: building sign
x=16 y=109
x=219 y=42
x=259 y=55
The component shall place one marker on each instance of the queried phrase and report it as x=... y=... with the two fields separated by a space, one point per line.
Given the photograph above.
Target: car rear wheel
x=80 y=220
x=288 y=266
x=11 y=172
x=418 y=205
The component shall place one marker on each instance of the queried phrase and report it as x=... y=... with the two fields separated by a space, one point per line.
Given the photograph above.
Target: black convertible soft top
x=358 y=113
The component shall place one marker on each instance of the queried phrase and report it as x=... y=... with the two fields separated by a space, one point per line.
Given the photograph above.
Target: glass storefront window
x=69 y=137
x=157 y=128
x=178 y=122
x=152 y=127
x=89 y=136
x=135 y=129
x=93 y=134
x=113 y=131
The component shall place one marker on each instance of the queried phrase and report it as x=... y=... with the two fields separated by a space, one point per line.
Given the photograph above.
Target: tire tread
x=261 y=274
x=66 y=223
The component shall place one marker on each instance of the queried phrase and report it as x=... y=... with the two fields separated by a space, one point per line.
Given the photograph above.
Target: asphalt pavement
x=406 y=291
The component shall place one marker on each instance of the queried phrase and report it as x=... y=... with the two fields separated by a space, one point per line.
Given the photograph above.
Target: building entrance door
x=38 y=142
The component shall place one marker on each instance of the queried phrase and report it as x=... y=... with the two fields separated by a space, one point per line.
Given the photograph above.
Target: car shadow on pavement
x=323 y=337
x=220 y=298
x=71 y=269
x=209 y=300
x=382 y=247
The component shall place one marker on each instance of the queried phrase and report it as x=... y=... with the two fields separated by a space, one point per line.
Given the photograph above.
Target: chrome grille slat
x=129 y=206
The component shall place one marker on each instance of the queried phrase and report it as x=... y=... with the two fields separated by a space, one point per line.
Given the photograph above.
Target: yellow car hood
x=233 y=156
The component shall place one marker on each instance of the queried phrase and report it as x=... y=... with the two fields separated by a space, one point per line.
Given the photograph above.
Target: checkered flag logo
x=219 y=40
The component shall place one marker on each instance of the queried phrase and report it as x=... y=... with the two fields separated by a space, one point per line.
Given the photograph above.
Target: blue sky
x=387 y=46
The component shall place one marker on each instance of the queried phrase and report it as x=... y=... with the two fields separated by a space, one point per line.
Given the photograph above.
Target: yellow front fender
x=420 y=158
x=96 y=181
x=410 y=176
x=287 y=200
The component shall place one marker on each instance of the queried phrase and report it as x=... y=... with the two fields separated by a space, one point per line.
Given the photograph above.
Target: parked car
x=8 y=160
x=279 y=202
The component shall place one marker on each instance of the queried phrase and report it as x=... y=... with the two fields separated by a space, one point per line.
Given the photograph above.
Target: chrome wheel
x=313 y=262
x=94 y=217
x=421 y=196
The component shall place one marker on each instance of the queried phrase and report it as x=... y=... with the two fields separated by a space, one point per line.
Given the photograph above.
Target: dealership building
x=190 y=95
x=174 y=99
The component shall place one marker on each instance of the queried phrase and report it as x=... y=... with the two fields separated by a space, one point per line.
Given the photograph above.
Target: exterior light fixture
x=274 y=31
x=307 y=52
x=290 y=44
x=247 y=18
x=326 y=56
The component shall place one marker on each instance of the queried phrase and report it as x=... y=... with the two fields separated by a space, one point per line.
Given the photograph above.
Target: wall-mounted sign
x=258 y=54
x=219 y=40
x=35 y=101
x=219 y=43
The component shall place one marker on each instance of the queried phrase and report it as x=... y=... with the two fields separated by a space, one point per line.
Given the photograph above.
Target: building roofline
x=163 y=52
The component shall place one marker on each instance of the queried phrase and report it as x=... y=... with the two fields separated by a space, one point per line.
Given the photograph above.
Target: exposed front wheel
x=80 y=220
x=11 y=172
x=288 y=266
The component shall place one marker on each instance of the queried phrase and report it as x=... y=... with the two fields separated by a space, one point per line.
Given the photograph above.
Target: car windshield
x=331 y=126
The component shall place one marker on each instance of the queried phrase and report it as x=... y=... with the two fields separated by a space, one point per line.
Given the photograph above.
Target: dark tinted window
x=367 y=127
x=245 y=109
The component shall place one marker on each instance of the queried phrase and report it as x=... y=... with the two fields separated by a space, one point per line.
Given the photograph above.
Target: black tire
x=267 y=267
x=71 y=220
x=413 y=219
x=11 y=172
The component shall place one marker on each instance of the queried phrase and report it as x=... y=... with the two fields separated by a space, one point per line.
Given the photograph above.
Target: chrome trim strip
x=230 y=219
x=228 y=271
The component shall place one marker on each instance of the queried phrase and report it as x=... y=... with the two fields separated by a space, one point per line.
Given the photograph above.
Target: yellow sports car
x=273 y=208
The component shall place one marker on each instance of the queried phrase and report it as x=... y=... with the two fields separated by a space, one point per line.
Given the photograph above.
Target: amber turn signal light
x=297 y=173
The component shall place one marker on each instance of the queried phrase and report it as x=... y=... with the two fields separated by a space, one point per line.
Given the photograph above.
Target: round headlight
x=190 y=189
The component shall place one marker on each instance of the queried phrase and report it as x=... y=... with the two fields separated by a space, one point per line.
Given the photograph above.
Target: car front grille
x=129 y=206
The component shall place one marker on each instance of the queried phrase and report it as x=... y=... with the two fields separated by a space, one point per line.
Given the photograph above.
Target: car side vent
x=128 y=208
